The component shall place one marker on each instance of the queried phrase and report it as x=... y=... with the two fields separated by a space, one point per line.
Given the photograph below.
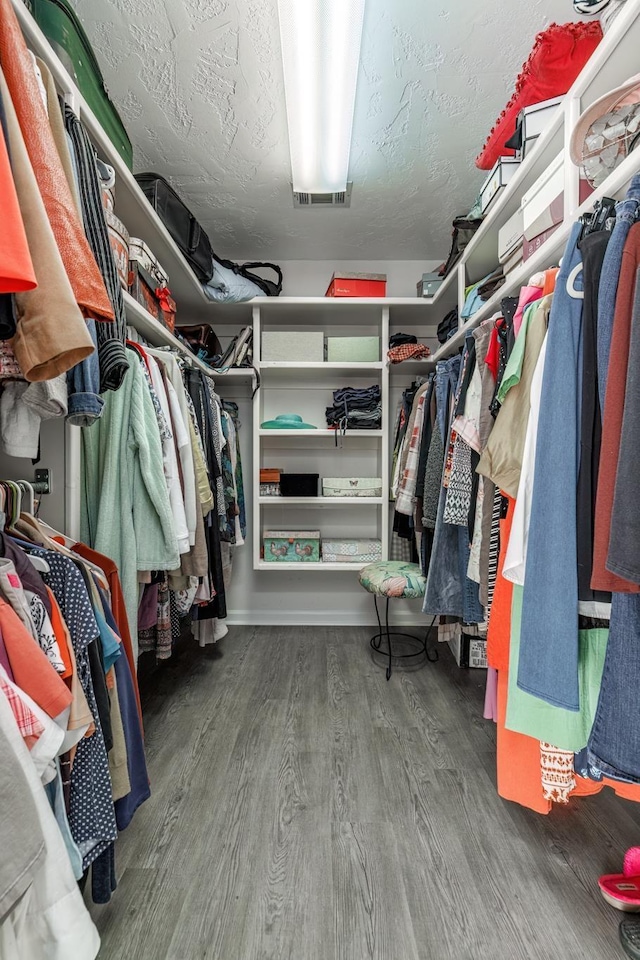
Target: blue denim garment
x=446 y=591
x=614 y=744
x=442 y=388
x=627 y=212
x=548 y=665
x=83 y=382
x=443 y=593
x=472 y=609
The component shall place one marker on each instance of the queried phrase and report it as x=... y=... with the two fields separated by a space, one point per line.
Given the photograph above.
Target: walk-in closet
x=319 y=447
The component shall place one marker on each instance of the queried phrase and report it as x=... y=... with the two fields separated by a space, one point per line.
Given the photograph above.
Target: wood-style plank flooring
x=305 y=809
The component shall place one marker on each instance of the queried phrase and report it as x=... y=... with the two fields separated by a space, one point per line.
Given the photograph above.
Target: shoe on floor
x=622 y=890
x=630 y=937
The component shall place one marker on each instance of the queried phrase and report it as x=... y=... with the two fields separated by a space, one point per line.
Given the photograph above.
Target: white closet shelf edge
x=321 y=501
x=142 y=220
x=158 y=335
x=303 y=567
x=550 y=252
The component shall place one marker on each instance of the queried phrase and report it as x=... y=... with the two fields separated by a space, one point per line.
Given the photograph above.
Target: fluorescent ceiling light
x=321 y=42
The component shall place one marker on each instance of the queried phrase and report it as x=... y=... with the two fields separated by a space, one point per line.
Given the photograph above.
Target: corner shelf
x=159 y=336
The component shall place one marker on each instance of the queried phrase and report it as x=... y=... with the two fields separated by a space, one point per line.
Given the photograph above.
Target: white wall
x=310 y=278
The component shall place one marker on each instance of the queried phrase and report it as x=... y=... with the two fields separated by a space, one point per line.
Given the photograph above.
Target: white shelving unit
x=306 y=388
x=614 y=61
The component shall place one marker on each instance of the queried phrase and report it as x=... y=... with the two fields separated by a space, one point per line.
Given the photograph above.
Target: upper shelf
x=132 y=206
x=315 y=310
x=158 y=335
x=549 y=253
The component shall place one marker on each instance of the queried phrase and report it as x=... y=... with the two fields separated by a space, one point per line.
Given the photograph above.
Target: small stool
x=394 y=578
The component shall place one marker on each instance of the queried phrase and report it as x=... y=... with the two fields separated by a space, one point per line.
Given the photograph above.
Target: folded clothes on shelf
x=356 y=408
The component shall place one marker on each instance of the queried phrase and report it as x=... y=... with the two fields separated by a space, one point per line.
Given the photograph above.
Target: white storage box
x=353 y=349
x=514 y=261
x=352 y=486
x=543 y=203
x=510 y=236
x=351 y=551
x=533 y=121
x=138 y=250
x=497 y=180
x=303 y=345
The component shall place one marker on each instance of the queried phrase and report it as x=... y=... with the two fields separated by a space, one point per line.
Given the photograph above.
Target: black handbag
x=180 y=222
x=463 y=230
x=202 y=340
x=447 y=326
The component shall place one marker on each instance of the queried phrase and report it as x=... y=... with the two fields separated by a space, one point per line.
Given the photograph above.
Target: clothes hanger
x=28 y=488
x=596 y=221
x=63 y=545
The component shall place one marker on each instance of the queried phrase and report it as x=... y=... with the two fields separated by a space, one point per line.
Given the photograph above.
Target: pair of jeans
x=614 y=744
x=448 y=591
x=627 y=212
x=447 y=374
x=548 y=665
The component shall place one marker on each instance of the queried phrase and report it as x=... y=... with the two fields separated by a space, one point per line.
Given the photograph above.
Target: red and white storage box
x=351 y=551
x=357 y=285
x=148 y=283
x=141 y=253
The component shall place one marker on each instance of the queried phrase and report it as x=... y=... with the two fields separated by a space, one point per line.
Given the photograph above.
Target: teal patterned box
x=291 y=546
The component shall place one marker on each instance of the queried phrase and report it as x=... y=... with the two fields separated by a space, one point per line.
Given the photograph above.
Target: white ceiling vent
x=315 y=201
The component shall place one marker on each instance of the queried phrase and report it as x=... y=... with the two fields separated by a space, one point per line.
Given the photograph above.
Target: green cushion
x=393 y=578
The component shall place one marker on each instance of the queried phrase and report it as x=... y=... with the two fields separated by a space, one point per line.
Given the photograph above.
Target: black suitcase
x=180 y=222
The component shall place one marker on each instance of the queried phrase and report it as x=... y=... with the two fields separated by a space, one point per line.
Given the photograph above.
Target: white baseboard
x=311 y=618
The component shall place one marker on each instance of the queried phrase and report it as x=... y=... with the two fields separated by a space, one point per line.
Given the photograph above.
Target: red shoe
x=622 y=890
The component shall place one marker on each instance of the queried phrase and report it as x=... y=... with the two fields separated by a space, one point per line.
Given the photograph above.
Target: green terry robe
x=125 y=502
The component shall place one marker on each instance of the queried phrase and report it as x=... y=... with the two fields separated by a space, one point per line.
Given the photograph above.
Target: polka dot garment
x=91 y=813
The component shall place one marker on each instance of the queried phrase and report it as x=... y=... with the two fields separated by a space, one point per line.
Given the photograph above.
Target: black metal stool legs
x=386 y=633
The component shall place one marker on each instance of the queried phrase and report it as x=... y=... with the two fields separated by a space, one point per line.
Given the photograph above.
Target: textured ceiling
x=199 y=86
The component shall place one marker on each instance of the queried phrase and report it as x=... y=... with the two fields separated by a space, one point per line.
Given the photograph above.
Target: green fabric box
x=353 y=349
x=291 y=546
x=61 y=26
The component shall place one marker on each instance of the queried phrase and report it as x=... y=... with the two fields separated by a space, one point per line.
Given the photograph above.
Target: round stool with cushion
x=394 y=578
